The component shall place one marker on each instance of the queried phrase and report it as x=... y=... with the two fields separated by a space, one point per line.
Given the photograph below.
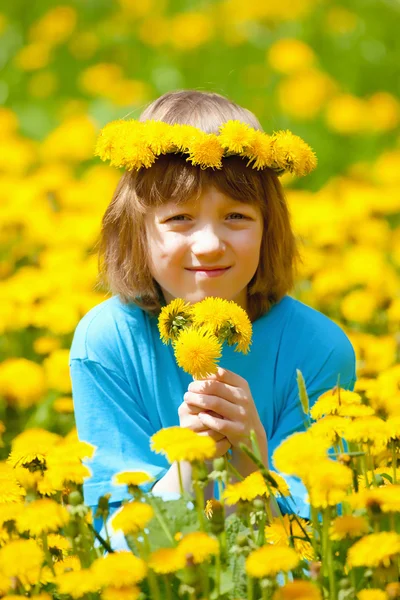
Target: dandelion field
x=325 y=70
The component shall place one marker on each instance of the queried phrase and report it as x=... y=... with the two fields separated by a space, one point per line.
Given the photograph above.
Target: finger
x=213 y=434
x=224 y=408
x=217 y=388
x=228 y=377
x=224 y=426
x=222 y=448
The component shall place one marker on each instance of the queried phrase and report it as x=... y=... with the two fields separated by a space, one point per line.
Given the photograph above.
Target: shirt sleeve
x=108 y=416
x=339 y=362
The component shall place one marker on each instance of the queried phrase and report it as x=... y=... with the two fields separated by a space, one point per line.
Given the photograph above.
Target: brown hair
x=123 y=257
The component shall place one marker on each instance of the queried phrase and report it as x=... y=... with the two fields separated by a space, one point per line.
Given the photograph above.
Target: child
x=191 y=220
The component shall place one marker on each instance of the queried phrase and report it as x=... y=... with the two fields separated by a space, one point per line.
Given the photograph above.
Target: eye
x=238 y=216
x=177 y=218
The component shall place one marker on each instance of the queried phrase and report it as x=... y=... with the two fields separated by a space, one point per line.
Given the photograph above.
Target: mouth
x=210 y=271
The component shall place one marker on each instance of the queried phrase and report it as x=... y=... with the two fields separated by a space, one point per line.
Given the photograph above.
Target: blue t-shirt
x=126 y=384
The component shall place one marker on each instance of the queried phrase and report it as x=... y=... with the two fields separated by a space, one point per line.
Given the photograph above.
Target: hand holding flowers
x=228 y=396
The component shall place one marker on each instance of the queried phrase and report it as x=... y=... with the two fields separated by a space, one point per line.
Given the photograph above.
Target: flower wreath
x=134 y=144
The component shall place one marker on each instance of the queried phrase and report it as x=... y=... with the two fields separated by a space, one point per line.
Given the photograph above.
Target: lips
x=208 y=269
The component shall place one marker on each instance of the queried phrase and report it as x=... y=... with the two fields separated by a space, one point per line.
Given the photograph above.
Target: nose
x=207 y=241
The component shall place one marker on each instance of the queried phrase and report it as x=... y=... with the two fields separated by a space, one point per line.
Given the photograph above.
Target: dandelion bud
x=219 y=464
x=75 y=498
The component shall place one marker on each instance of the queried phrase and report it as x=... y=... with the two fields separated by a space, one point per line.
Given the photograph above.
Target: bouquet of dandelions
x=347 y=459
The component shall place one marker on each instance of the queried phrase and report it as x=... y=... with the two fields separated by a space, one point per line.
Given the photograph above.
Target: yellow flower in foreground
x=199 y=545
x=270 y=560
x=32 y=446
x=252 y=486
x=121 y=593
x=173 y=318
x=328 y=482
x=332 y=401
x=77 y=583
x=22 y=559
x=43 y=515
x=10 y=489
x=348 y=526
x=374 y=550
x=131 y=478
x=166 y=560
x=280 y=531
x=235 y=136
x=372 y=594
x=10 y=511
x=69 y=563
x=119 y=569
x=197 y=352
x=298 y=590
x=295 y=454
x=385 y=498
x=132 y=517
x=180 y=443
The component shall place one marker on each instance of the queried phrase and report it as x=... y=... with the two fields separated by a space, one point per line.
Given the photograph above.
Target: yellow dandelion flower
x=185 y=445
x=133 y=517
x=173 y=318
x=166 y=560
x=348 y=526
x=355 y=410
x=270 y=560
x=206 y=151
x=368 y=430
x=197 y=352
x=372 y=594
x=235 y=136
x=158 y=136
x=297 y=452
x=199 y=545
x=77 y=583
x=327 y=483
x=330 y=428
x=332 y=401
x=43 y=515
x=385 y=499
x=10 y=511
x=393 y=425
x=121 y=593
x=241 y=328
x=69 y=563
x=21 y=559
x=131 y=478
x=297 y=590
x=381 y=475
x=55 y=541
x=376 y=549
x=119 y=569
x=259 y=151
x=10 y=489
x=211 y=312
x=123 y=144
x=183 y=136
x=31 y=447
x=280 y=532
x=291 y=153
x=254 y=485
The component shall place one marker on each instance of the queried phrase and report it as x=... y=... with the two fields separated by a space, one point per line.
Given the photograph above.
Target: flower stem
x=199 y=504
x=250 y=588
x=180 y=478
x=327 y=553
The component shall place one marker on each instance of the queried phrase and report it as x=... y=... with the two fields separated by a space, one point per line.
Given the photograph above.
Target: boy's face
x=187 y=240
